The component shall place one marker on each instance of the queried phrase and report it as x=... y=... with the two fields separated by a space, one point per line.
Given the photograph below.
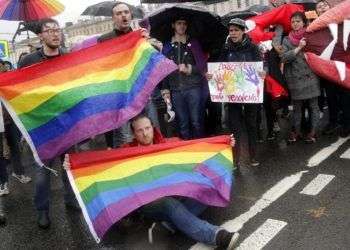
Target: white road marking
x=266 y=200
x=346 y=154
x=262 y=235
x=324 y=153
x=317 y=184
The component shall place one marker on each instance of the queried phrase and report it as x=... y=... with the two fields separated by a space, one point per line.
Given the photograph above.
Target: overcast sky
x=73 y=9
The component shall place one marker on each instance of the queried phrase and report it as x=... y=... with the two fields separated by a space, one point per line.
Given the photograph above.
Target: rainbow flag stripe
x=60 y=102
x=111 y=184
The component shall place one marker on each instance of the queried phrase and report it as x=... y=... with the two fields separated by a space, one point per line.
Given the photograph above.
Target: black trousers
x=333 y=93
x=240 y=115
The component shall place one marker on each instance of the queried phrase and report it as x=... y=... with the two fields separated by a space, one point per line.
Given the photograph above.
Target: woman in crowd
x=303 y=84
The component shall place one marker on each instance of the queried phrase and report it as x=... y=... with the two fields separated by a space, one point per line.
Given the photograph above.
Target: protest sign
x=237 y=82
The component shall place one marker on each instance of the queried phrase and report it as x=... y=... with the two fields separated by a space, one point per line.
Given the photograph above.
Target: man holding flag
x=50 y=36
x=180 y=213
x=121 y=17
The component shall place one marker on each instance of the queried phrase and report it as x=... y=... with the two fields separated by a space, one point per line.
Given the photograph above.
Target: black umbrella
x=203 y=25
x=237 y=14
x=259 y=8
x=105 y=9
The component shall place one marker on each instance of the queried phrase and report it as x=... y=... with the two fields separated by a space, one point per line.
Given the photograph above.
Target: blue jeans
x=183 y=215
x=189 y=112
x=43 y=192
x=151 y=111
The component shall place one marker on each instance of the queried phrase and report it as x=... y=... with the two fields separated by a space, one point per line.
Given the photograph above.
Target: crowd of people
x=186 y=90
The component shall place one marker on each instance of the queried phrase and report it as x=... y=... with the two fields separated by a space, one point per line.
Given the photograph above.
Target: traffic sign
x=4 y=49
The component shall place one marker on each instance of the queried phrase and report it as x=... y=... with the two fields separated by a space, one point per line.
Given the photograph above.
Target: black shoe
x=226 y=240
x=43 y=220
x=73 y=206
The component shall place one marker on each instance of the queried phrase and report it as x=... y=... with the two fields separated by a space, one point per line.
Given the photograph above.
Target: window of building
x=247 y=3
x=239 y=4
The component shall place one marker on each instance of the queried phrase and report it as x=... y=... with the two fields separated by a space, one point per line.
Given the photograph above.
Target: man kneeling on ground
x=180 y=213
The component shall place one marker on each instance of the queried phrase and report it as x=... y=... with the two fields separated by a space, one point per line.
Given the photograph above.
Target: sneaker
x=276 y=127
x=293 y=137
x=4 y=189
x=271 y=136
x=22 y=178
x=310 y=138
x=254 y=163
x=226 y=240
x=43 y=220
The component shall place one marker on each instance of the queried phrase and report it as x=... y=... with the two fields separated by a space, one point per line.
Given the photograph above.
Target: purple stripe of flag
x=218 y=181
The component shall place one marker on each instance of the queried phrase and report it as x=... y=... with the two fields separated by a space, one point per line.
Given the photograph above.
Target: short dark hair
x=138 y=117
x=301 y=15
x=179 y=17
x=119 y=3
x=45 y=21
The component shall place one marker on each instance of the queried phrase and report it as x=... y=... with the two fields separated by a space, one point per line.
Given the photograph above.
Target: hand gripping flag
x=60 y=102
x=111 y=184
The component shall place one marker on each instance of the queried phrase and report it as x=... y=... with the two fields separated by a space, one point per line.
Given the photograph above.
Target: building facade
x=219 y=7
x=83 y=29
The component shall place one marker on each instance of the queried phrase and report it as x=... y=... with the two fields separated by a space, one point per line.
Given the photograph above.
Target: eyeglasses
x=52 y=31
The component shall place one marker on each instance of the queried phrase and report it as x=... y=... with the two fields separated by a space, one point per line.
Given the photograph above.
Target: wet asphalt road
x=310 y=222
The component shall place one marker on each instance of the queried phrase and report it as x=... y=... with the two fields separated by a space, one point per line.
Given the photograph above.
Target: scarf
x=296 y=35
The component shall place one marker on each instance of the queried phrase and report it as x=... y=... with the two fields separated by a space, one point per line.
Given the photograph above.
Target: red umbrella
x=29 y=10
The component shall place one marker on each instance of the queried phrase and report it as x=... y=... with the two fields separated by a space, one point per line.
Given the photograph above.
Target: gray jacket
x=302 y=82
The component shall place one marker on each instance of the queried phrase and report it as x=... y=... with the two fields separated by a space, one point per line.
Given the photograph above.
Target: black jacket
x=113 y=34
x=35 y=57
x=244 y=51
x=181 y=53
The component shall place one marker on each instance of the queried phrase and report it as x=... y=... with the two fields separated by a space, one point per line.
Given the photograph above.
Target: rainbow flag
x=60 y=102
x=111 y=184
